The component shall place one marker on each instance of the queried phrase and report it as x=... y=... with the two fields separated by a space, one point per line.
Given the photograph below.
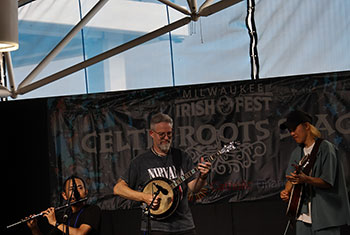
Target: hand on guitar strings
x=284 y=195
x=300 y=178
x=148 y=199
x=204 y=168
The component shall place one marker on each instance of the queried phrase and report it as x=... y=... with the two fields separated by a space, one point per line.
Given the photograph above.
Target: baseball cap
x=294 y=118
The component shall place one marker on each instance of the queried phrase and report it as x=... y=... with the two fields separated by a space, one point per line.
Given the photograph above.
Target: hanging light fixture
x=8 y=25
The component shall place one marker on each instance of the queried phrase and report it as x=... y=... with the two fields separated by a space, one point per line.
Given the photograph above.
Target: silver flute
x=41 y=214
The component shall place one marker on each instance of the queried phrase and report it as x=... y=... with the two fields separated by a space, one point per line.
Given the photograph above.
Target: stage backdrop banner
x=96 y=136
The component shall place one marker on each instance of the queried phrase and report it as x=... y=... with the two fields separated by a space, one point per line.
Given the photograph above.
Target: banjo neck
x=227 y=148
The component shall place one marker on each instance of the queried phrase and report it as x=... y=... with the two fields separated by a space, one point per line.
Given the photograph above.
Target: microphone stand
x=147 y=212
x=67 y=213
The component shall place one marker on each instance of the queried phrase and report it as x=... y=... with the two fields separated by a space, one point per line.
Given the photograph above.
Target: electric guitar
x=297 y=190
x=168 y=190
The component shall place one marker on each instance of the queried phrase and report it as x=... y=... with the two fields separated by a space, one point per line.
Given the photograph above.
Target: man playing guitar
x=166 y=162
x=324 y=205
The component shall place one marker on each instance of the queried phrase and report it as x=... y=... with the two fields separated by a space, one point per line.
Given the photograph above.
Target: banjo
x=168 y=190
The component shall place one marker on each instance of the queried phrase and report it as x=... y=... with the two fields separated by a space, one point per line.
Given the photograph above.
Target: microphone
x=161 y=189
x=75 y=190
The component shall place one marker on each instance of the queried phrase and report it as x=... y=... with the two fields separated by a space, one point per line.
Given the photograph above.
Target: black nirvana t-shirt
x=148 y=166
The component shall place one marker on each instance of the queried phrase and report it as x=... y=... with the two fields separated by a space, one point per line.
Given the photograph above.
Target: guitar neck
x=303 y=166
x=190 y=173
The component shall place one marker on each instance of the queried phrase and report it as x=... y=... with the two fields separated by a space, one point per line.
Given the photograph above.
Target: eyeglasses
x=163 y=134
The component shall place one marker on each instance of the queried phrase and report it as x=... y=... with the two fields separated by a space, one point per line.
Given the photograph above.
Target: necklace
x=163 y=161
x=159 y=155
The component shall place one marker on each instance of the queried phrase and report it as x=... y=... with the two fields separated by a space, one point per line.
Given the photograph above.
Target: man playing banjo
x=166 y=162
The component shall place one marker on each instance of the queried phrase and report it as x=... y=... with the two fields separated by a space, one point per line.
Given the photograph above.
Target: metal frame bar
x=218 y=6
x=176 y=7
x=204 y=5
x=193 y=6
x=10 y=74
x=24 y=2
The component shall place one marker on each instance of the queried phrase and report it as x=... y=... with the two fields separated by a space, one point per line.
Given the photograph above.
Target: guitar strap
x=177 y=159
x=313 y=155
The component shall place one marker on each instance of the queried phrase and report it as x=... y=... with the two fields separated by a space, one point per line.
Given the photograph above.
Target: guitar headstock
x=229 y=147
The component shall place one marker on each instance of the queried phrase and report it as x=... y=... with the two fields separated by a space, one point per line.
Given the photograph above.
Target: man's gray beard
x=165 y=147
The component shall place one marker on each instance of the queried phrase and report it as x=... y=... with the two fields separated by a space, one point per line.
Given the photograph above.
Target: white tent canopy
x=294 y=37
